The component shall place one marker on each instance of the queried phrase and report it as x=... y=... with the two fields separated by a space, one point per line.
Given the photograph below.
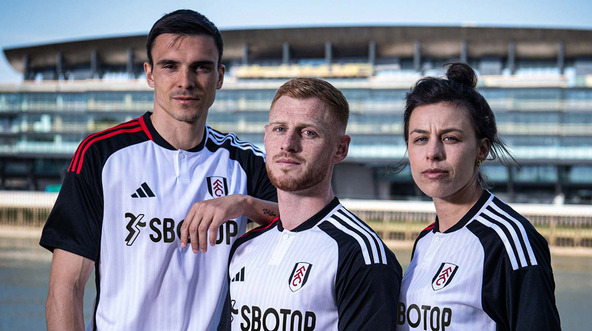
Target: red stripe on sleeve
x=111 y=134
x=80 y=151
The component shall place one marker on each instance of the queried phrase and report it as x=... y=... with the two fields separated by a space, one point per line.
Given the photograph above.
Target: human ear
x=148 y=71
x=484 y=146
x=221 y=71
x=342 y=149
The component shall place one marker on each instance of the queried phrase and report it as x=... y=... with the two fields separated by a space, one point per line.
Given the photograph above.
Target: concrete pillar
x=245 y=59
x=329 y=54
x=512 y=57
x=26 y=67
x=371 y=52
x=129 y=66
x=94 y=63
x=286 y=53
x=464 y=57
x=59 y=66
x=417 y=57
x=353 y=181
x=559 y=182
x=561 y=57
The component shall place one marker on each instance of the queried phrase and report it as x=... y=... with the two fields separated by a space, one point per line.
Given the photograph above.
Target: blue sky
x=32 y=22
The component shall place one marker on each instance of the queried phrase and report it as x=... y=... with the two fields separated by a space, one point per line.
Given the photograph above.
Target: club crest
x=444 y=276
x=299 y=275
x=217 y=186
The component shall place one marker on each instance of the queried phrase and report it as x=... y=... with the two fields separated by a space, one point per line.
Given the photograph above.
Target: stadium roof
x=438 y=42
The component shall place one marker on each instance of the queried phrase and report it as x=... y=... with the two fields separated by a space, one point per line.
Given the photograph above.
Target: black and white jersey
x=121 y=205
x=330 y=273
x=490 y=271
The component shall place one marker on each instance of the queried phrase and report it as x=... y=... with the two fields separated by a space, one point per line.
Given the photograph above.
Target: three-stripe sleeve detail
x=78 y=159
x=220 y=138
x=512 y=234
x=371 y=246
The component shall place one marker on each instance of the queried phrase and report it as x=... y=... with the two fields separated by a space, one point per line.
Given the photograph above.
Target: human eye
x=450 y=139
x=204 y=67
x=420 y=139
x=168 y=66
x=278 y=129
x=309 y=133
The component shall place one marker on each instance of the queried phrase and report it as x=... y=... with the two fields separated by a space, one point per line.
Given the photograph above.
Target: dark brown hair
x=184 y=22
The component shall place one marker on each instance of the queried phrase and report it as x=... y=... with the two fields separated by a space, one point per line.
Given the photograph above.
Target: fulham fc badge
x=217 y=186
x=299 y=275
x=444 y=276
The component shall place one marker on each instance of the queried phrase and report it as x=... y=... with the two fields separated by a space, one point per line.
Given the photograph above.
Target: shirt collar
x=313 y=220
x=468 y=216
x=159 y=140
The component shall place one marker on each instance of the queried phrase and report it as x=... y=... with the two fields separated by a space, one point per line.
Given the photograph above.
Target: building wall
x=540 y=90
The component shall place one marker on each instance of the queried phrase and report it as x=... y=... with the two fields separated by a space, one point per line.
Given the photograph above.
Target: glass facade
x=546 y=129
x=542 y=103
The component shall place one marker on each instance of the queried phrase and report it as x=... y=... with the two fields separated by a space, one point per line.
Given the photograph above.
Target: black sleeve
x=367 y=295
x=259 y=185
x=74 y=223
x=521 y=299
x=226 y=317
x=532 y=300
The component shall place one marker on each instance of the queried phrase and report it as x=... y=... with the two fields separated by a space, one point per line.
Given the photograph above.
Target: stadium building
x=538 y=82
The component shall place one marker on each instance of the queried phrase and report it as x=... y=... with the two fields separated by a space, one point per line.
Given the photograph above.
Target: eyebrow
x=299 y=125
x=444 y=131
x=202 y=62
x=166 y=61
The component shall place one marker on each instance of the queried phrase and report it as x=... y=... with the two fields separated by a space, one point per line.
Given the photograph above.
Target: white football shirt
x=330 y=273
x=490 y=271
x=122 y=204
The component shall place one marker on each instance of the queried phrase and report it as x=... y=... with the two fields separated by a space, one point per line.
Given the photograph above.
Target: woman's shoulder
x=500 y=228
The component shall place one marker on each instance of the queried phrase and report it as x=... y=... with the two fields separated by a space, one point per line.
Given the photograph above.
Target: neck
x=451 y=209
x=180 y=134
x=297 y=207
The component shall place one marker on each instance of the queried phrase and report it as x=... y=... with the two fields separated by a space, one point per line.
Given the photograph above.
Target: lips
x=284 y=160
x=185 y=98
x=435 y=173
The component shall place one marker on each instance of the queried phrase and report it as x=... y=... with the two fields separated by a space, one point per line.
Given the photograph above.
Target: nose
x=435 y=150
x=290 y=142
x=186 y=79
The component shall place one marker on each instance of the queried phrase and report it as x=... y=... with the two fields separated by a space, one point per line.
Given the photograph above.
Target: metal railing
x=561 y=225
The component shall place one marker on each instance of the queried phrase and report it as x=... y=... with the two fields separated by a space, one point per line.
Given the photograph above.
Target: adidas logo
x=240 y=276
x=143 y=191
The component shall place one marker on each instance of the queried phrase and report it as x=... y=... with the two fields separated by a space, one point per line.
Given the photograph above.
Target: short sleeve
x=367 y=295
x=259 y=184
x=522 y=298
x=74 y=223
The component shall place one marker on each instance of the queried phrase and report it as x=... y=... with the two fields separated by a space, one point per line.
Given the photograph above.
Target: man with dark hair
x=193 y=23
x=128 y=189
x=317 y=266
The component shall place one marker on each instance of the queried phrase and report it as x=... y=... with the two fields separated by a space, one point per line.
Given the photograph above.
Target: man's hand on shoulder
x=208 y=215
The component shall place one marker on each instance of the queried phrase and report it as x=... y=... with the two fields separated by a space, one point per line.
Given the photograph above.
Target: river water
x=24 y=276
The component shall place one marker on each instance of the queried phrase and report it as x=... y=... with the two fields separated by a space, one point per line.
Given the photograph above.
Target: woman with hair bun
x=480 y=265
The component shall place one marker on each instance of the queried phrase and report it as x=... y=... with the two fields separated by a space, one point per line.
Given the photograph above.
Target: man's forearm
x=68 y=276
x=260 y=211
x=63 y=310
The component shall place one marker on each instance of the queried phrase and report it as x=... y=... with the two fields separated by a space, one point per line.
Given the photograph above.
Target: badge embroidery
x=444 y=276
x=217 y=186
x=299 y=275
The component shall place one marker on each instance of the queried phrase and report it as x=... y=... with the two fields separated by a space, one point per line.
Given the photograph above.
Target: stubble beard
x=311 y=177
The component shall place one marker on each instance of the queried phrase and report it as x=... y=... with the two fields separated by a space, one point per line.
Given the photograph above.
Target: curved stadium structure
x=538 y=82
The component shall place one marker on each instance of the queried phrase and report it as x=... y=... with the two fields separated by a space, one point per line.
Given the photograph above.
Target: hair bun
x=462 y=73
